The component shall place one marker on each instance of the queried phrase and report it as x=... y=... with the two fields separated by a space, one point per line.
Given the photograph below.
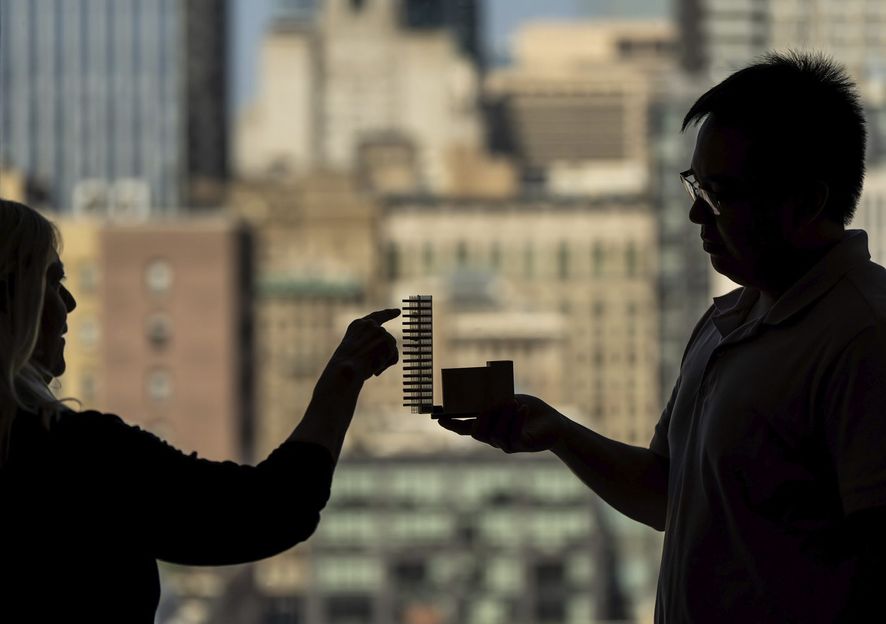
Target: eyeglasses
x=692 y=187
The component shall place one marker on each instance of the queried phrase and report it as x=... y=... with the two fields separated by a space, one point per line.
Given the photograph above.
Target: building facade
x=107 y=102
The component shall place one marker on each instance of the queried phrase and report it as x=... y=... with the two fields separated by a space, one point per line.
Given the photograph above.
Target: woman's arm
x=199 y=512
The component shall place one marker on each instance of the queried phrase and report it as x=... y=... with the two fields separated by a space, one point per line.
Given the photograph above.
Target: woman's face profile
x=57 y=304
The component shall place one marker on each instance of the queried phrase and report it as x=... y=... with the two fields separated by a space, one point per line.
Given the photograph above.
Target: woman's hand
x=367 y=349
x=527 y=424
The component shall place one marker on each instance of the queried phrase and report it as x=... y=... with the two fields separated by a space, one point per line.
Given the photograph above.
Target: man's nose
x=700 y=212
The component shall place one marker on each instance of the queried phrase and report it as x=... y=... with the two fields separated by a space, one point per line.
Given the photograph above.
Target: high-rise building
x=686 y=277
x=564 y=287
x=357 y=82
x=573 y=110
x=316 y=258
x=109 y=102
x=721 y=37
x=871 y=213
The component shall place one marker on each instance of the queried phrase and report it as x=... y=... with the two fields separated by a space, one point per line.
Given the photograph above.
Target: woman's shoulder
x=68 y=421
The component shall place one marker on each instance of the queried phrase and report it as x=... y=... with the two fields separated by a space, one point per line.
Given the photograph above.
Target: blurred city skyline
x=218 y=247
x=502 y=18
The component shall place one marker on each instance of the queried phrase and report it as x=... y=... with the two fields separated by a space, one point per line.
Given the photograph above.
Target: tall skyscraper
x=115 y=103
x=354 y=80
x=720 y=37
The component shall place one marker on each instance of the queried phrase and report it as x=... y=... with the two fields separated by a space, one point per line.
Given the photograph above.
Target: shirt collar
x=851 y=251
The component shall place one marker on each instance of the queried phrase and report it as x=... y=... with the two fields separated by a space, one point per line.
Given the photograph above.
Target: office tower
x=115 y=105
x=871 y=213
x=564 y=287
x=686 y=278
x=573 y=109
x=315 y=270
x=360 y=86
x=717 y=37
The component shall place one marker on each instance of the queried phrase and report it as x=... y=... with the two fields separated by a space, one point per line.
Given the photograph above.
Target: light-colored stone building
x=81 y=255
x=573 y=109
x=316 y=263
x=355 y=88
x=720 y=37
x=565 y=288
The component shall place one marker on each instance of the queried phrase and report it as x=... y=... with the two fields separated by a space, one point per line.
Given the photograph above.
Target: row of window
x=564 y=262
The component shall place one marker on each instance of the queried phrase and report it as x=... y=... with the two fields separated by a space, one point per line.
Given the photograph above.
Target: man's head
x=781 y=154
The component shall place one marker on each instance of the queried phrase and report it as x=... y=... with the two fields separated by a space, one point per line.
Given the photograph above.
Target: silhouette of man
x=767 y=468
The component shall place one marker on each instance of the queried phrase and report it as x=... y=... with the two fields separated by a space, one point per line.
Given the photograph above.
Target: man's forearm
x=630 y=478
x=330 y=411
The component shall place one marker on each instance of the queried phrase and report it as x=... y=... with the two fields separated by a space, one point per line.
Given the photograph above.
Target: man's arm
x=632 y=479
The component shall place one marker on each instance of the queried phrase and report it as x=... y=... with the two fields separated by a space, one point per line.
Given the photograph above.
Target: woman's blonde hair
x=27 y=243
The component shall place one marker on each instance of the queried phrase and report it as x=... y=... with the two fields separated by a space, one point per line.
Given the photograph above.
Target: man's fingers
x=461 y=427
x=383 y=316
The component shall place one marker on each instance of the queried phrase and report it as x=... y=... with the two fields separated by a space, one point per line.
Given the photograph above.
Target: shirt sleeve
x=855 y=420
x=194 y=511
x=659 y=443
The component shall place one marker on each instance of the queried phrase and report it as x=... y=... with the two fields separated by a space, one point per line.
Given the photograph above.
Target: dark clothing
x=90 y=505
x=775 y=433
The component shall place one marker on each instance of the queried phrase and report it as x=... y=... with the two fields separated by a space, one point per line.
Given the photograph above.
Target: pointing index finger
x=383 y=316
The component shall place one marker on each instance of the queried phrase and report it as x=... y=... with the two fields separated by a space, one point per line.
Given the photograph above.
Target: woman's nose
x=70 y=302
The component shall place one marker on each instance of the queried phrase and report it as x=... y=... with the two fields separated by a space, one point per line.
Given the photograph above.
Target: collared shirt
x=775 y=432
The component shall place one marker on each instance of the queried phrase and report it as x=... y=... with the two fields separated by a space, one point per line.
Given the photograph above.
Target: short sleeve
x=855 y=420
x=659 y=444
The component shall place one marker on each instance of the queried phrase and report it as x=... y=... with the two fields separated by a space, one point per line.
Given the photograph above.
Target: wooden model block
x=468 y=391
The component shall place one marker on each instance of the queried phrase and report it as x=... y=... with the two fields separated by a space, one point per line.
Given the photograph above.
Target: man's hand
x=527 y=424
x=367 y=349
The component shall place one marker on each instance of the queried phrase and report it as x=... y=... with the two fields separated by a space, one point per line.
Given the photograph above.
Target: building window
x=88 y=333
x=88 y=278
x=349 y=608
x=429 y=257
x=563 y=260
x=87 y=386
x=159 y=385
x=598 y=258
x=631 y=260
x=461 y=254
x=158 y=276
x=393 y=261
x=495 y=256
x=159 y=330
x=529 y=260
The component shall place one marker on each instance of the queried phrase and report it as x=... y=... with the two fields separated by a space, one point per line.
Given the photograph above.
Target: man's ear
x=815 y=200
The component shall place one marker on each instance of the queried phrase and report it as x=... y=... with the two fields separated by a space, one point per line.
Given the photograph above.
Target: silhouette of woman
x=90 y=503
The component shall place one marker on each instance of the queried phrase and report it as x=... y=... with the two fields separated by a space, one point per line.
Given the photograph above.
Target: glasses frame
x=695 y=191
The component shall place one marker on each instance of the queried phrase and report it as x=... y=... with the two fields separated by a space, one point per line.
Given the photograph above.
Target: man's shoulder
x=862 y=295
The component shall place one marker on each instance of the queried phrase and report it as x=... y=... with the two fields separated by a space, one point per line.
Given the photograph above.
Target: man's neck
x=796 y=265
